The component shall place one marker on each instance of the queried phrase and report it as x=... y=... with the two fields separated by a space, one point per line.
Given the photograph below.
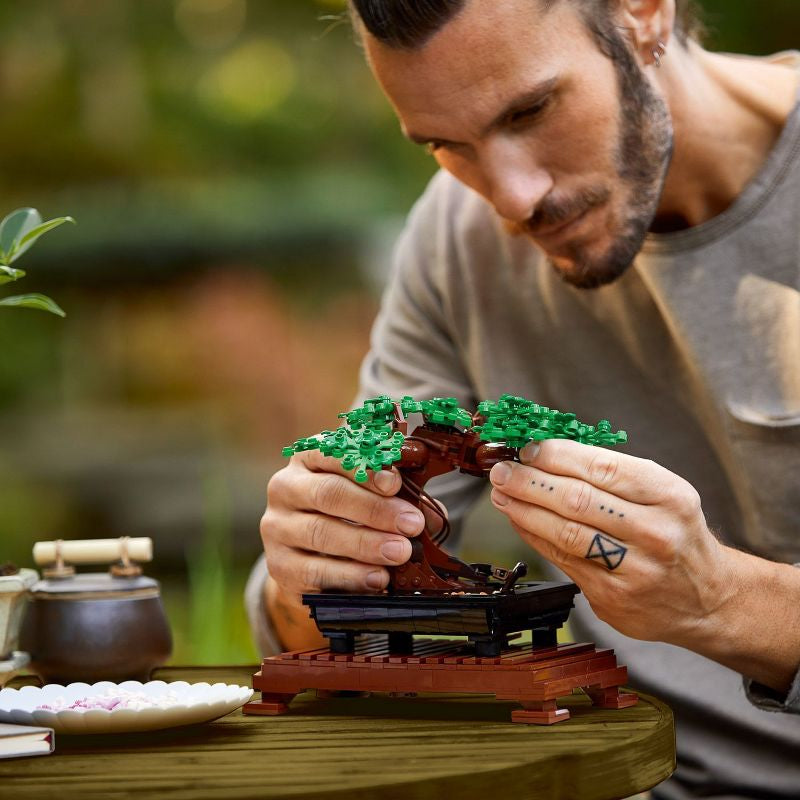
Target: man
x=614 y=232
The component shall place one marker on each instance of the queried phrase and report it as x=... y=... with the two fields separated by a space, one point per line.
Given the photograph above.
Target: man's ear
x=649 y=24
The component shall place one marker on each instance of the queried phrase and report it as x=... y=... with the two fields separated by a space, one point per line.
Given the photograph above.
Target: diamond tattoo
x=607 y=549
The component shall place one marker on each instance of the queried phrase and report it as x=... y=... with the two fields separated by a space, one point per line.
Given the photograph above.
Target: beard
x=641 y=159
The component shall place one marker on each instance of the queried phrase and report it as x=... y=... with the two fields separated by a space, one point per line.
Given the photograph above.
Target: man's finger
x=335 y=495
x=637 y=480
x=385 y=481
x=566 y=538
x=574 y=567
x=569 y=498
x=318 y=533
x=302 y=572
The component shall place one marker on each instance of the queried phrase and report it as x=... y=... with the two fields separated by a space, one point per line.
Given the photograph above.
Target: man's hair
x=408 y=24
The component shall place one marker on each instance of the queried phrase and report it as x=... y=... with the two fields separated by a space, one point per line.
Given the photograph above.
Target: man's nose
x=515 y=182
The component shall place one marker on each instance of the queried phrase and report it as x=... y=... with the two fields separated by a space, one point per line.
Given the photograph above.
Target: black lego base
x=486 y=619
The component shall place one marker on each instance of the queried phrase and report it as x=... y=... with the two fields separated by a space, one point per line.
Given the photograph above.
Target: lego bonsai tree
x=375 y=437
x=18 y=232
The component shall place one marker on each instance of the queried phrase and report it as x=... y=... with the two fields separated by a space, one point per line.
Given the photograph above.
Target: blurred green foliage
x=181 y=123
x=758 y=28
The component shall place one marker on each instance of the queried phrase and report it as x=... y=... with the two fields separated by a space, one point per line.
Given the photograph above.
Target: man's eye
x=530 y=112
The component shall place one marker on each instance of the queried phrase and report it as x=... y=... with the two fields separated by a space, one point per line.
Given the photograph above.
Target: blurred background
x=237 y=180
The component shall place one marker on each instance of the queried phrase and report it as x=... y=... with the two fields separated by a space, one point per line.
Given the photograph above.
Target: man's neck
x=728 y=112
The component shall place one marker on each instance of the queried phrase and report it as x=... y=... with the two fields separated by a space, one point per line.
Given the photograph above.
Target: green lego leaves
x=367 y=440
x=372 y=446
x=438 y=411
x=375 y=413
x=517 y=421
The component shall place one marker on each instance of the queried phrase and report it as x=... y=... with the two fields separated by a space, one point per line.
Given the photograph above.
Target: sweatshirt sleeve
x=261 y=627
x=769 y=700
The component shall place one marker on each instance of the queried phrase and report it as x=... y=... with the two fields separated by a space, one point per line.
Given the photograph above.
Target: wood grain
x=362 y=747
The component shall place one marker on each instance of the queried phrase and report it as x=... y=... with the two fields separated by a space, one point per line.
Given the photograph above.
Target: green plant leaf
x=13 y=227
x=8 y=274
x=33 y=234
x=39 y=301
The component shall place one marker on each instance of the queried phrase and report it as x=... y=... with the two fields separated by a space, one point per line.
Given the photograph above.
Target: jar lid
x=96 y=583
x=21 y=582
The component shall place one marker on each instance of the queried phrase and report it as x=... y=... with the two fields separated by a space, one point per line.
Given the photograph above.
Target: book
x=25 y=740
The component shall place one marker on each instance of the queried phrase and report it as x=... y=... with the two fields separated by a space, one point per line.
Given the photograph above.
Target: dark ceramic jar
x=95 y=627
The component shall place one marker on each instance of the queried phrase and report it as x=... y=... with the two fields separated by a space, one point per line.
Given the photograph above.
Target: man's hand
x=632 y=535
x=321 y=530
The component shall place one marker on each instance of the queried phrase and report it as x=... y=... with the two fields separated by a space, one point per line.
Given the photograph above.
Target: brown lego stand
x=533 y=676
x=436 y=593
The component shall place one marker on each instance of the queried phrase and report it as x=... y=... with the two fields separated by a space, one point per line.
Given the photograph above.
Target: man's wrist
x=755 y=629
x=290 y=618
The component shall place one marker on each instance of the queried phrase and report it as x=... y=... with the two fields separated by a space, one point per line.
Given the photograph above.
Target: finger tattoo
x=609 y=551
x=611 y=510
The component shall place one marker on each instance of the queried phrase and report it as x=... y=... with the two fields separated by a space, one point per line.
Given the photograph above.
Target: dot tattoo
x=610 y=510
x=605 y=548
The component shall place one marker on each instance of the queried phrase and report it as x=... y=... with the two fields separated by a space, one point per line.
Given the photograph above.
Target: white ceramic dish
x=195 y=702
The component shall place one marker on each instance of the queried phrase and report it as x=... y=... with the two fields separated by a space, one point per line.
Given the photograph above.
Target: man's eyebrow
x=530 y=97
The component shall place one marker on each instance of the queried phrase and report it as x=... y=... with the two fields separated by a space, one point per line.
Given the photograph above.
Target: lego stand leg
x=401 y=643
x=544 y=637
x=539 y=712
x=341 y=642
x=610 y=697
x=489 y=646
x=270 y=705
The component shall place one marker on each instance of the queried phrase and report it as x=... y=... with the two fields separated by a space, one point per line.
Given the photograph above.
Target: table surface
x=357 y=747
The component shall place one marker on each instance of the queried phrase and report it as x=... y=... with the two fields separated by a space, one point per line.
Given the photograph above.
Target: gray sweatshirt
x=695 y=352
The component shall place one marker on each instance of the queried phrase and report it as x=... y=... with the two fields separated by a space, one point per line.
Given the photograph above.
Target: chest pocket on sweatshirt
x=767 y=447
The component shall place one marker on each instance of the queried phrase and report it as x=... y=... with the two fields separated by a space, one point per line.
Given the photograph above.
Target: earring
x=658 y=52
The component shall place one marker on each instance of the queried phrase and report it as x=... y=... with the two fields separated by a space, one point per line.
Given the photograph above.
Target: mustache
x=555 y=210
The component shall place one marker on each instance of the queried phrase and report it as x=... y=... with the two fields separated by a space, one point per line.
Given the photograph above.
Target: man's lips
x=558 y=230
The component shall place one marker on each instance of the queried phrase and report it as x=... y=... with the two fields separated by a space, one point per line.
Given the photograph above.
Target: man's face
x=570 y=147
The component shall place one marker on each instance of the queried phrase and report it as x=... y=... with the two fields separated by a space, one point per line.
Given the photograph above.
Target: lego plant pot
x=486 y=619
x=13 y=596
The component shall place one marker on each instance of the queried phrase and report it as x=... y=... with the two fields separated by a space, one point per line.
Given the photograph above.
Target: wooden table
x=459 y=746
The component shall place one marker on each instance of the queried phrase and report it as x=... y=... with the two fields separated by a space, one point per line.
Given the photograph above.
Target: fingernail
x=376 y=580
x=409 y=522
x=529 y=452
x=500 y=473
x=384 y=480
x=395 y=551
x=500 y=499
